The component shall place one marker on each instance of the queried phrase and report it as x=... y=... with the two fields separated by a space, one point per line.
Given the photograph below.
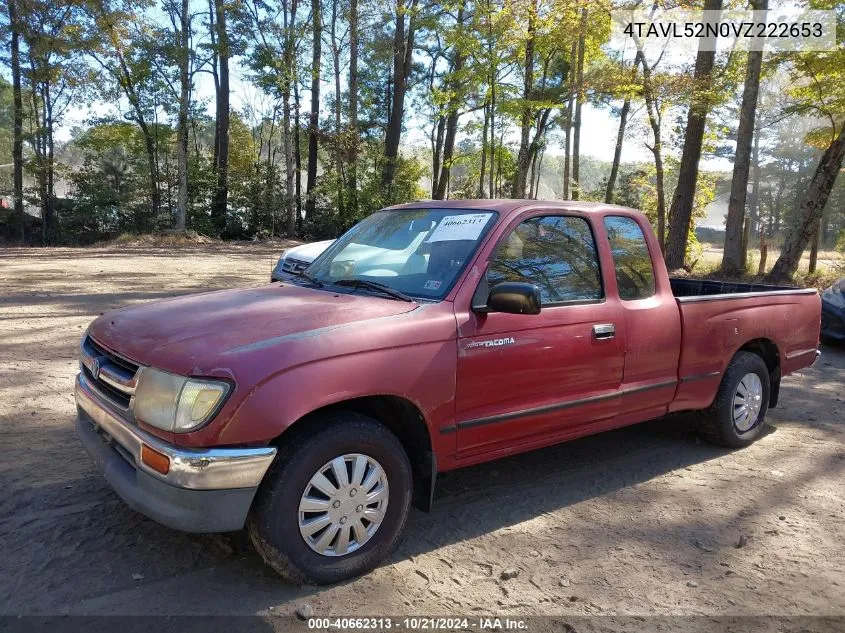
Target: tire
x=275 y=518
x=718 y=423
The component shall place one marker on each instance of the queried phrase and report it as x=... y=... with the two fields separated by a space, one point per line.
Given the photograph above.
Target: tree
x=811 y=209
x=314 y=115
x=620 y=135
x=732 y=259
x=352 y=182
x=403 y=50
x=523 y=159
x=17 y=142
x=183 y=32
x=219 y=202
x=340 y=135
x=173 y=48
x=579 y=102
x=454 y=84
x=55 y=77
x=120 y=53
x=680 y=213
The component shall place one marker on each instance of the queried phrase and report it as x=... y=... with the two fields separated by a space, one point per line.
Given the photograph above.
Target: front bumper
x=205 y=490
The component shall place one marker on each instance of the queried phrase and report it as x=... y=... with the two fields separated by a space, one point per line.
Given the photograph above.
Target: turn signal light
x=155 y=460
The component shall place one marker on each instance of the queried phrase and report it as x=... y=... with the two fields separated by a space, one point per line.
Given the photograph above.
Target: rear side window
x=557 y=253
x=634 y=272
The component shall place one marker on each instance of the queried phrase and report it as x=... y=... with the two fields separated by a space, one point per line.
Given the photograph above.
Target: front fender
x=423 y=374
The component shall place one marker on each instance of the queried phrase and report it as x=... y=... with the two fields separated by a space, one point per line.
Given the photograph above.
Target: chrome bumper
x=192 y=469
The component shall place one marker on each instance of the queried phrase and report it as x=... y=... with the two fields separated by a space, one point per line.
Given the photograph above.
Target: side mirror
x=514 y=297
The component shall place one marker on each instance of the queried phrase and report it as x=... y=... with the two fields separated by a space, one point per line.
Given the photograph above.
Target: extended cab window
x=634 y=272
x=557 y=253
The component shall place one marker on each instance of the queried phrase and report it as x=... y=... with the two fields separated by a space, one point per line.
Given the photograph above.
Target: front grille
x=291 y=265
x=112 y=375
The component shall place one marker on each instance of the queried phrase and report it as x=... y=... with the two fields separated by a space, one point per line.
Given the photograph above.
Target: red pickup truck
x=431 y=336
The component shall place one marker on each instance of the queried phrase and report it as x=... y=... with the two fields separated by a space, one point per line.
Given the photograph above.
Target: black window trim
x=539 y=213
x=647 y=250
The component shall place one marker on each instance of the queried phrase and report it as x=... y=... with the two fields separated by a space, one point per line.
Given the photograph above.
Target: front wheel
x=738 y=413
x=334 y=502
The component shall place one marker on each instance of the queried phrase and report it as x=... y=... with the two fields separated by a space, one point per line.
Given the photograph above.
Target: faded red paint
x=291 y=350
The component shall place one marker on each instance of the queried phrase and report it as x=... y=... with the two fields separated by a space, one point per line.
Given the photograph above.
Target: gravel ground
x=640 y=521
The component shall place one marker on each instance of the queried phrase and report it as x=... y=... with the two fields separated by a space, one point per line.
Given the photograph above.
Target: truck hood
x=192 y=334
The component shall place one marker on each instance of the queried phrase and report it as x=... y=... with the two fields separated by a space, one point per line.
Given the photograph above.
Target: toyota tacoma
x=431 y=336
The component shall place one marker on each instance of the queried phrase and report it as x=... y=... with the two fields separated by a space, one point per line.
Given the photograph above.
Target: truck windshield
x=419 y=252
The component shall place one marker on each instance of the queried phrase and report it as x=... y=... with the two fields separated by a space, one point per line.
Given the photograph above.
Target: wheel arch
x=403 y=418
x=767 y=350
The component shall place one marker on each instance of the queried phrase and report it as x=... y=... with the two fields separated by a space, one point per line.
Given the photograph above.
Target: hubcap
x=343 y=504
x=748 y=400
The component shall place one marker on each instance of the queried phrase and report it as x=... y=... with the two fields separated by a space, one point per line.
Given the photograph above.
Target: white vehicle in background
x=398 y=256
x=297 y=258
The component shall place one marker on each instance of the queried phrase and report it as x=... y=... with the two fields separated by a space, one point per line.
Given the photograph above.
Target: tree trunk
x=455 y=101
x=680 y=213
x=314 y=116
x=814 y=248
x=570 y=106
x=287 y=145
x=268 y=173
x=731 y=258
x=338 y=114
x=754 y=199
x=287 y=141
x=483 y=173
x=152 y=162
x=539 y=173
x=655 y=121
x=523 y=159
x=811 y=209
x=216 y=76
x=492 y=175
x=579 y=102
x=17 y=142
x=219 y=201
x=297 y=154
x=438 y=133
x=353 y=110
x=51 y=192
x=403 y=49
x=617 y=153
x=182 y=124
x=38 y=146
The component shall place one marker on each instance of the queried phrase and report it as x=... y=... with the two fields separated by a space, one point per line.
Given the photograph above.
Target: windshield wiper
x=374 y=285
x=304 y=273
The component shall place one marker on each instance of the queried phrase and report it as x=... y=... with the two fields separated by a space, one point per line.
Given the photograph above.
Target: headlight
x=175 y=403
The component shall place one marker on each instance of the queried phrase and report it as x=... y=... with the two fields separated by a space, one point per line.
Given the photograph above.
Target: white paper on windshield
x=460 y=227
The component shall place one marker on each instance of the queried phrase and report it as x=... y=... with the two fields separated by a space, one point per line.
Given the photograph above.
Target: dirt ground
x=644 y=520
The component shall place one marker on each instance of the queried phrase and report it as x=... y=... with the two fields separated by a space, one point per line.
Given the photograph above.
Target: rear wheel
x=738 y=413
x=334 y=502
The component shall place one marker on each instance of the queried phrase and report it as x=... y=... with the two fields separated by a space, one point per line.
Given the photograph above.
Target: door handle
x=604 y=331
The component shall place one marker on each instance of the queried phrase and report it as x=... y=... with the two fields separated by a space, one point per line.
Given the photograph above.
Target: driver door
x=526 y=379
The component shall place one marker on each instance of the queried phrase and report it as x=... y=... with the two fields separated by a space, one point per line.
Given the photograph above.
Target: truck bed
x=719 y=317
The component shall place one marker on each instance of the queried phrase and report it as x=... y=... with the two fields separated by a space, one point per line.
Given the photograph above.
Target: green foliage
x=123 y=57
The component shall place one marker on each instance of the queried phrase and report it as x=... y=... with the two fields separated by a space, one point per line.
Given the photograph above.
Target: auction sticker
x=460 y=227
